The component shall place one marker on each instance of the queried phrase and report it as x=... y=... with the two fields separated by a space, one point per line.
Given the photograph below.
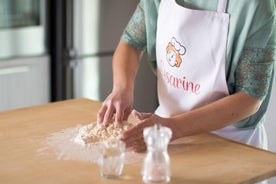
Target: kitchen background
x=56 y=50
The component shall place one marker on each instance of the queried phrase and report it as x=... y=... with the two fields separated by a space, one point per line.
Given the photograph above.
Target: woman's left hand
x=133 y=137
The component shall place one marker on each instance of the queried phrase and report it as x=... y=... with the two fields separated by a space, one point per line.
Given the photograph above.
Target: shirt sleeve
x=254 y=72
x=135 y=31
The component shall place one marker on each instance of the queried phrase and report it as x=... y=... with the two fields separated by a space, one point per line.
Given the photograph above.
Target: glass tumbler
x=111 y=160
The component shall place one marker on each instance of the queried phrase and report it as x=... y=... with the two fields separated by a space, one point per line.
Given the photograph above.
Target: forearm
x=219 y=114
x=125 y=66
x=119 y=102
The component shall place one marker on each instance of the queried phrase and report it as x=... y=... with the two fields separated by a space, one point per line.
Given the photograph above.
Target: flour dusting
x=64 y=146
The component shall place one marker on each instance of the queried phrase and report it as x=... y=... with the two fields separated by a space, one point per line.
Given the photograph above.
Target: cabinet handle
x=14 y=70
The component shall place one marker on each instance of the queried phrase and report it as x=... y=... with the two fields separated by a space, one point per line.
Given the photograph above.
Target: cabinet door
x=24 y=82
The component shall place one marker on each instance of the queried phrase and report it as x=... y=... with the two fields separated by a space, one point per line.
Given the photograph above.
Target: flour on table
x=95 y=132
x=80 y=143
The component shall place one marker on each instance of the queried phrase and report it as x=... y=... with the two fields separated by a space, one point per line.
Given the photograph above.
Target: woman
x=214 y=63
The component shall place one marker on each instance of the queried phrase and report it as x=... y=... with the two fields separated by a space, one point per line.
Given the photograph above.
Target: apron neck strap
x=222 y=5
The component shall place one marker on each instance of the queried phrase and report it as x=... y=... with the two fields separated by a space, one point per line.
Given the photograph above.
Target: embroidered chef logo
x=174 y=52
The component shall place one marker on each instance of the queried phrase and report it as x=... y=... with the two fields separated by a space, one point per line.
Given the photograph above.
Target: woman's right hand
x=118 y=104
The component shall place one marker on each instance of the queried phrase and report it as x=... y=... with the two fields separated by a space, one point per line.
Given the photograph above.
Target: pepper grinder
x=156 y=168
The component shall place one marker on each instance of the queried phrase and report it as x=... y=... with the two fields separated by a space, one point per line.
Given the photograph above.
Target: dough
x=95 y=132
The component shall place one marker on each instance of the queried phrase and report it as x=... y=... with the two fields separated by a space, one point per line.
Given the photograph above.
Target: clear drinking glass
x=111 y=160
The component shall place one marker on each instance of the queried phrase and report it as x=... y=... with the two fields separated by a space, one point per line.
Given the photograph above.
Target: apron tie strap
x=222 y=5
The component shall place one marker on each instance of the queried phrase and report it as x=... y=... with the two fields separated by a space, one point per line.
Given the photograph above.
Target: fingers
x=127 y=113
x=134 y=139
x=101 y=113
x=135 y=132
x=140 y=148
x=117 y=105
x=119 y=115
x=122 y=114
x=132 y=134
x=107 y=112
x=137 y=145
x=140 y=116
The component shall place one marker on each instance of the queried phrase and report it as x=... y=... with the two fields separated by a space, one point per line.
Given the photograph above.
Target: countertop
x=203 y=158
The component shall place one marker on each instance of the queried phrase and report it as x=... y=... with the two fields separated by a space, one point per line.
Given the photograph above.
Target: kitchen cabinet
x=24 y=82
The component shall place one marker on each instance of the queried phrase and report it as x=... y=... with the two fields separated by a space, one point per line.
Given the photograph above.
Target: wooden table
x=199 y=159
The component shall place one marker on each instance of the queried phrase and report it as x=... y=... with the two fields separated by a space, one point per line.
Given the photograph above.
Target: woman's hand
x=118 y=104
x=133 y=137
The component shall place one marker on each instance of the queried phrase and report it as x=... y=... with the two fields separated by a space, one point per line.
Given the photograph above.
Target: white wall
x=270 y=125
x=271 y=120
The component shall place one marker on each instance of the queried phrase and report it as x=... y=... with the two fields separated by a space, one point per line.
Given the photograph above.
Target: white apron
x=191 y=55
